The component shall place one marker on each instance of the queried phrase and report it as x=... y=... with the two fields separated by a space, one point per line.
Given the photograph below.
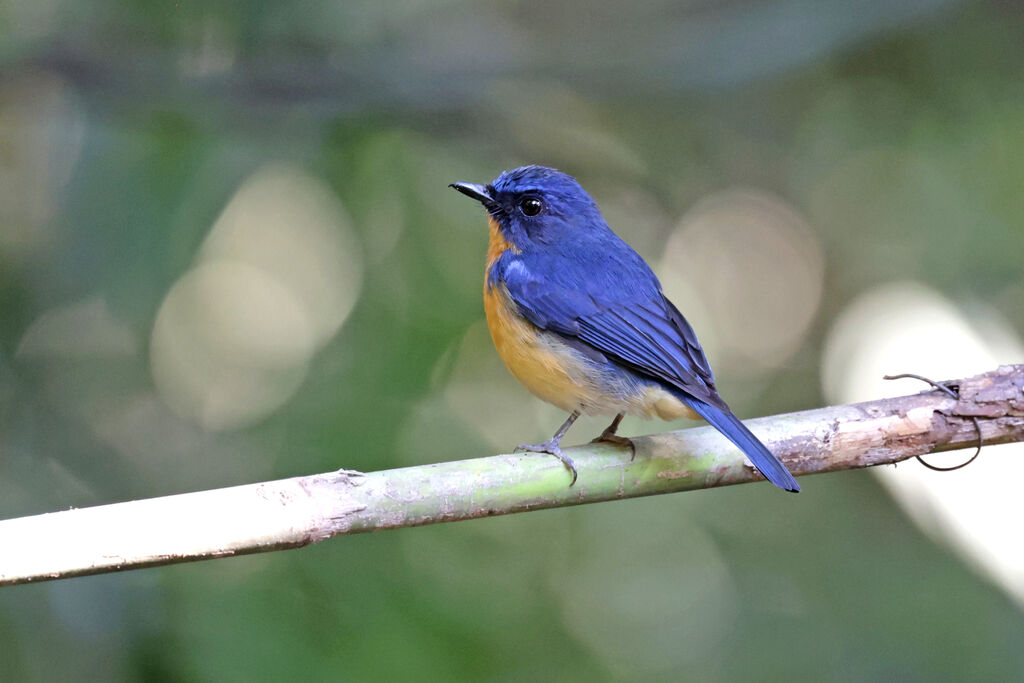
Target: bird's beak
x=477 y=192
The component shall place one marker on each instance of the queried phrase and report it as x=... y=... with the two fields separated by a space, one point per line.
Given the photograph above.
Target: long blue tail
x=763 y=459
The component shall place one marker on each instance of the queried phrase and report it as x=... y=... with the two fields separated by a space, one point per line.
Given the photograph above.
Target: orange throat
x=497 y=245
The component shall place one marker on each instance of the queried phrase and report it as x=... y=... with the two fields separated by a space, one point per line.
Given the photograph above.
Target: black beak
x=477 y=192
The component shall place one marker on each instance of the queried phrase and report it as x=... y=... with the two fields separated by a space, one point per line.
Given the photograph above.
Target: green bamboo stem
x=295 y=512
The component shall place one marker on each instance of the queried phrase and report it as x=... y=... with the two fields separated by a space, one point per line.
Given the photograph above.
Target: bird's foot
x=550 y=447
x=608 y=436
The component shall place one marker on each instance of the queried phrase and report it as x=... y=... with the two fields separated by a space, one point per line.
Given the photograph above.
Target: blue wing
x=624 y=317
x=614 y=304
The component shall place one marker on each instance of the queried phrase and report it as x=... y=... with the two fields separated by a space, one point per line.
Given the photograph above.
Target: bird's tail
x=763 y=459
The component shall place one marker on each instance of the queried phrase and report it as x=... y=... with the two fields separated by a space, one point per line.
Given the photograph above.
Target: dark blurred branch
x=441 y=56
x=295 y=512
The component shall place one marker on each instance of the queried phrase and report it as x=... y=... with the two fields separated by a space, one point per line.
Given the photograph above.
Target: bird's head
x=536 y=205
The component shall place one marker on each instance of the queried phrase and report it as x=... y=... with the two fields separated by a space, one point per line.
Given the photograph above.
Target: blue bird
x=580 y=319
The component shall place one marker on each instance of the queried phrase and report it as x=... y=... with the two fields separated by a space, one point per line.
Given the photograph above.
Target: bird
x=580 y=319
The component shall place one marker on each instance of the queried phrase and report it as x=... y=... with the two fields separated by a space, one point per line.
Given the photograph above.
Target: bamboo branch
x=291 y=513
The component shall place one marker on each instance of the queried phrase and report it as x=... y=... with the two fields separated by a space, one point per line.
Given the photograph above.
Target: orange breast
x=549 y=372
x=529 y=356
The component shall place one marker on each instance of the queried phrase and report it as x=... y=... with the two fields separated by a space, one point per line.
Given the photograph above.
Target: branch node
x=952 y=389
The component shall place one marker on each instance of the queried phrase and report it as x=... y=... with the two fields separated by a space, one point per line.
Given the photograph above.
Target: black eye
x=531 y=206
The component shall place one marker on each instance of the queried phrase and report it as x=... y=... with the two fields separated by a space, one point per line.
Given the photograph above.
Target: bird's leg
x=609 y=436
x=551 y=446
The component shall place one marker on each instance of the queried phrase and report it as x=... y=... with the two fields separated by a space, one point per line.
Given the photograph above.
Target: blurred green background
x=228 y=254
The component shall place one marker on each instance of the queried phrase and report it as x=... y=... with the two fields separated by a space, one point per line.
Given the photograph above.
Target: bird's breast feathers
x=551 y=368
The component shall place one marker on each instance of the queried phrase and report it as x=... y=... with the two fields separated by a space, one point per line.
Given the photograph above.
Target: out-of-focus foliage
x=228 y=253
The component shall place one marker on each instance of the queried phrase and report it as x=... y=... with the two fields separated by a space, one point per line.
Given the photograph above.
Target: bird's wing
x=637 y=327
x=631 y=322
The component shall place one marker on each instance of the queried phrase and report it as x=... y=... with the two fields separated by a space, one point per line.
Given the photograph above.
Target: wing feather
x=638 y=328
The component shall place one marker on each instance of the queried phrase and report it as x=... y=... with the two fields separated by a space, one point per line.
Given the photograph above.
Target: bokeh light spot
x=82 y=329
x=908 y=327
x=757 y=268
x=41 y=131
x=229 y=345
x=629 y=614
x=277 y=276
x=485 y=396
x=290 y=225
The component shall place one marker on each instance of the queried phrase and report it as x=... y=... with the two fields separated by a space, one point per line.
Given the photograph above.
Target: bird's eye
x=531 y=206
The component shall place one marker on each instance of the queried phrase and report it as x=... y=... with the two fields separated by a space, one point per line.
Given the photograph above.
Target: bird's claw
x=613 y=438
x=551 y=448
